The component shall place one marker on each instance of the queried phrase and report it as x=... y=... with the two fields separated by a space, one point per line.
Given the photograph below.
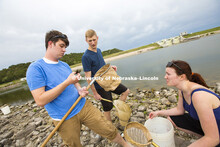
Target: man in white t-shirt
x=54 y=86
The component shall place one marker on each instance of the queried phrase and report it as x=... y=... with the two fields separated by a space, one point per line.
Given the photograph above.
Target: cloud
x=122 y=24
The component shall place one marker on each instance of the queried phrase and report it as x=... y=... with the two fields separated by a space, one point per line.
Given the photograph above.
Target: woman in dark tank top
x=202 y=105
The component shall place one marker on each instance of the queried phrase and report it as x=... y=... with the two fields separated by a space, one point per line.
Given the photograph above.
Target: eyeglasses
x=169 y=64
x=58 y=36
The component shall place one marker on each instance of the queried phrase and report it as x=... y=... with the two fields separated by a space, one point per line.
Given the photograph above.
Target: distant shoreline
x=108 y=59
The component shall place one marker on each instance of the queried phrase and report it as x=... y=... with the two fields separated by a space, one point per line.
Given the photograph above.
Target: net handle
x=154 y=144
x=101 y=98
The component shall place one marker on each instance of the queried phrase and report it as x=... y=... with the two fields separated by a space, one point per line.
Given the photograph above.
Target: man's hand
x=83 y=92
x=72 y=79
x=114 y=67
x=97 y=96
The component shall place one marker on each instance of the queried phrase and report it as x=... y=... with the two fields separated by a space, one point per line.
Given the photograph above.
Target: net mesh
x=137 y=134
x=123 y=111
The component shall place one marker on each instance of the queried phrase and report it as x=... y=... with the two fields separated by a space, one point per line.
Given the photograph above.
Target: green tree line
x=15 y=72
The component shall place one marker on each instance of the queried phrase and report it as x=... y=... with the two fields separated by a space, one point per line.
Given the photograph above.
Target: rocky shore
x=28 y=125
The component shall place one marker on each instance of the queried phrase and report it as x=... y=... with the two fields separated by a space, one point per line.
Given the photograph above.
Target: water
x=203 y=55
x=16 y=96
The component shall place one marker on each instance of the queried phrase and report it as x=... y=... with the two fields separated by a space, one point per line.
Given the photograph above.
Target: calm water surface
x=203 y=55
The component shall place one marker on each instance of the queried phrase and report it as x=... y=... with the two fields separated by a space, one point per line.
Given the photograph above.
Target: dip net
x=108 y=81
x=123 y=111
x=138 y=135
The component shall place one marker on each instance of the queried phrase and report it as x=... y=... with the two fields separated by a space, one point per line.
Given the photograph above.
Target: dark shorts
x=107 y=106
x=185 y=121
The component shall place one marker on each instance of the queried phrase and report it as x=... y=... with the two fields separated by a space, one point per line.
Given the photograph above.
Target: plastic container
x=161 y=130
x=5 y=110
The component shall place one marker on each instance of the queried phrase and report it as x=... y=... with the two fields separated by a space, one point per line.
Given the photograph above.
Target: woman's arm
x=203 y=105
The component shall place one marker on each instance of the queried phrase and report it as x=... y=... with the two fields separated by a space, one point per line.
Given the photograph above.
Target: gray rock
x=84 y=133
x=20 y=143
x=95 y=138
x=134 y=119
x=31 y=114
x=30 y=144
x=135 y=105
x=6 y=141
x=21 y=134
x=35 y=133
x=130 y=94
x=38 y=121
x=84 y=140
x=180 y=142
x=164 y=101
x=157 y=93
x=141 y=108
x=140 y=96
x=4 y=123
x=172 y=98
x=154 y=108
x=217 y=84
x=150 y=102
x=7 y=134
x=217 y=90
x=150 y=95
x=140 y=114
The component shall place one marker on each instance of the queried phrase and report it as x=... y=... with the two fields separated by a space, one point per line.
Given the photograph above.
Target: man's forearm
x=43 y=97
x=77 y=85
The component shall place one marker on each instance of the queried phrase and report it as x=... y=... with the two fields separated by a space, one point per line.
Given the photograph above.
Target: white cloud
x=122 y=24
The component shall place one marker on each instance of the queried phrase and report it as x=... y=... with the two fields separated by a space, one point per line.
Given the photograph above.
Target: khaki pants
x=91 y=117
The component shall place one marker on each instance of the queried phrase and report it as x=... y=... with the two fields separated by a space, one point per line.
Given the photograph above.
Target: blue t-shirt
x=93 y=61
x=191 y=109
x=42 y=74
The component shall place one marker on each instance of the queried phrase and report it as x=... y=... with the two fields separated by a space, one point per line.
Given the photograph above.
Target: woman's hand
x=153 y=114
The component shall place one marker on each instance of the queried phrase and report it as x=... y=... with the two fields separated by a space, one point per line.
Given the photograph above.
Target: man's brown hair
x=54 y=36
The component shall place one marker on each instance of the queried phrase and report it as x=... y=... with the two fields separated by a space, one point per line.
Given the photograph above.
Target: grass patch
x=202 y=32
x=155 y=45
x=11 y=83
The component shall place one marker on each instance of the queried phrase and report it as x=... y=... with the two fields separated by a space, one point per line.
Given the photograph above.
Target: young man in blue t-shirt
x=54 y=86
x=92 y=61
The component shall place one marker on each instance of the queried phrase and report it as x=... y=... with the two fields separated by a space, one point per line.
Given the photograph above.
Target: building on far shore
x=183 y=33
x=172 y=40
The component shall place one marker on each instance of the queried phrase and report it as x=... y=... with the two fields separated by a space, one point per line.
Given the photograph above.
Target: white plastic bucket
x=161 y=130
x=5 y=110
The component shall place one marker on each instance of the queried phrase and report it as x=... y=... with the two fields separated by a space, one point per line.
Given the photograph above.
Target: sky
x=122 y=24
